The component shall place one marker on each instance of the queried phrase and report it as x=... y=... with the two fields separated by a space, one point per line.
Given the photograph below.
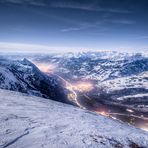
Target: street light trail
x=143 y=118
x=70 y=87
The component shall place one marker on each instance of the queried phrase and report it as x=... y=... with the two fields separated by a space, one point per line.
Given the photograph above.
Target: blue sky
x=74 y=24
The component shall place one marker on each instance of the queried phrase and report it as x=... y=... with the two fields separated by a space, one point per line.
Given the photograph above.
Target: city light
x=47 y=68
x=103 y=113
x=83 y=86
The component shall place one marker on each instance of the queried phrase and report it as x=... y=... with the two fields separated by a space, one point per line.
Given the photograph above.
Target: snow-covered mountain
x=32 y=122
x=109 y=83
x=122 y=76
x=24 y=76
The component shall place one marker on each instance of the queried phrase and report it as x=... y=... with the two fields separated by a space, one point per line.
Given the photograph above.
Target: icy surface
x=32 y=122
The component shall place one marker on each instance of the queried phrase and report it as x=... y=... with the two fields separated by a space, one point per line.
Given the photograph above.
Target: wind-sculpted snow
x=32 y=122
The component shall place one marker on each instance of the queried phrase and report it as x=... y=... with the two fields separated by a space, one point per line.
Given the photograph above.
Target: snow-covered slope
x=32 y=122
x=24 y=76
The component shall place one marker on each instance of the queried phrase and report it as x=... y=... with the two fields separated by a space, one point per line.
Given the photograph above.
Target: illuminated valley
x=47 y=68
x=82 y=87
x=83 y=96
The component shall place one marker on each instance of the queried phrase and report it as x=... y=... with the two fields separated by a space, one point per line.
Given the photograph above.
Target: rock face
x=24 y=76
x=33 y=122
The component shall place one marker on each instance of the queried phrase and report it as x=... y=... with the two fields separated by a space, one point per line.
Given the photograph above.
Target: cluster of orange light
x=144 y=127
x=82 y=86
x=46 y=67
x=103 y=113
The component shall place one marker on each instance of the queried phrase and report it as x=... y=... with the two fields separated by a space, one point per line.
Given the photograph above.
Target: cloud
x=8 y=47
x=71 y=29
x=12 y=1
x=18 y=47
x=100 y=26
x=37 y=3
x=93 y=6
x=122 y=21
x=29 y=2
x=82 y=26
x=139 y=37
x=143 y=37
x=87 y=7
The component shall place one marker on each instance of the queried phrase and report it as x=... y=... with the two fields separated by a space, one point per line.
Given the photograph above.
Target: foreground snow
x=31 y=122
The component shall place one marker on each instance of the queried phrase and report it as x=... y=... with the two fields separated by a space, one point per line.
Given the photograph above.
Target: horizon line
x=13 y=47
